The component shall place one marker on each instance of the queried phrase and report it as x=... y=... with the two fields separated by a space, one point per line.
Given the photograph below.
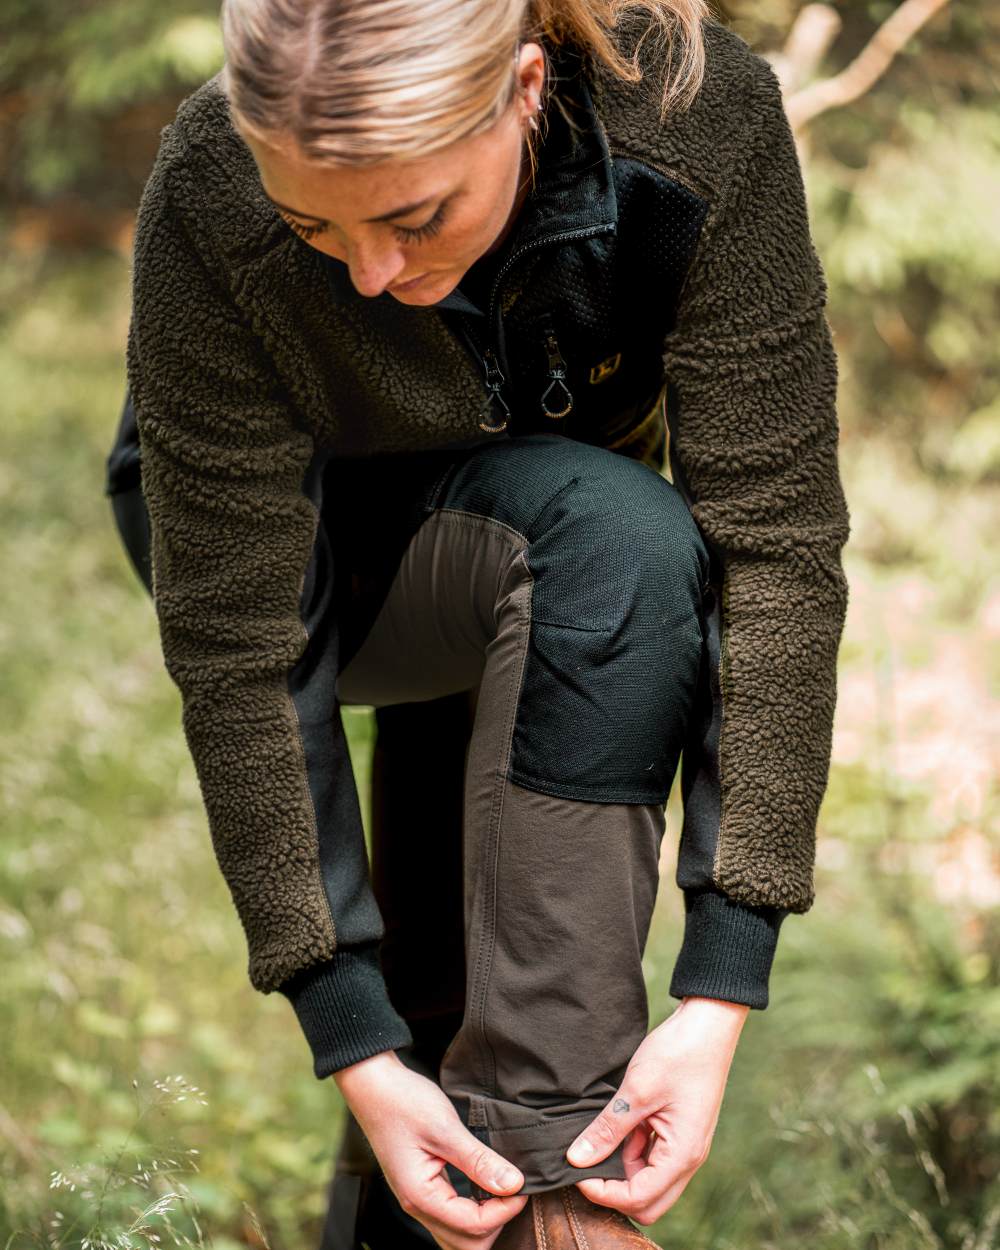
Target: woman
x=402 y=368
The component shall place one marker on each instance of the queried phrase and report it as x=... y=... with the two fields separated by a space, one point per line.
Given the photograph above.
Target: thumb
x=481 y=1164
x=602 y=1135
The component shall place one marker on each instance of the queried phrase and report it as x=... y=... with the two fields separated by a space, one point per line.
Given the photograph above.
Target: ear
x=531 y=74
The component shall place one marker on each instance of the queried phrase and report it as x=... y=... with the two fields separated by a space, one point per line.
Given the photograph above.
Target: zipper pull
x=494 y=381
x=557 y=374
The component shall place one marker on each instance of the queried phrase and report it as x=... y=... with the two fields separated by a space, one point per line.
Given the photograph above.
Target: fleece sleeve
x=243 y=599
x=751 y=407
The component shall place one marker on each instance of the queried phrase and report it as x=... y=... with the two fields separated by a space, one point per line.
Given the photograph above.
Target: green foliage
x=79 y=81
x=902 y=187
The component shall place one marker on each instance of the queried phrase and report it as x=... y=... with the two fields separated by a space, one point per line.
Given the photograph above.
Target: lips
x=405 y=286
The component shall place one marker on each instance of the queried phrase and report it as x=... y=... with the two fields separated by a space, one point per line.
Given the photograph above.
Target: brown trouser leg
x=558 y=893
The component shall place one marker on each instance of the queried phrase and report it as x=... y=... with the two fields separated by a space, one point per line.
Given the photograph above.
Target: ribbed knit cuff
x=728 y=949
x=344 y=1010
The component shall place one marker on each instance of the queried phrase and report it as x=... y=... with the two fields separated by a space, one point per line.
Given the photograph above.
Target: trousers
x=526 y=618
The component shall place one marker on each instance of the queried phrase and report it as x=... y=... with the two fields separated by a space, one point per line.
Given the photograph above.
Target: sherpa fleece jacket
x=673 y=255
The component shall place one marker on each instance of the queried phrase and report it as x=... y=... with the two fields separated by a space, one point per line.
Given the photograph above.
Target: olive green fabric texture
x=239 y=368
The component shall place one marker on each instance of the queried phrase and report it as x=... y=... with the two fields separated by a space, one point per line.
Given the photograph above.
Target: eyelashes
x=304 y=232
x=425 y=231
x=408 y=234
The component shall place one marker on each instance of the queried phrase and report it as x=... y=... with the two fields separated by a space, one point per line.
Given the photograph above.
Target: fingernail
x=506 y=1178
x=580 y=1151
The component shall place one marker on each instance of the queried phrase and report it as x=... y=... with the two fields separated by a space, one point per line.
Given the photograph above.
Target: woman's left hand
x=667 y=1107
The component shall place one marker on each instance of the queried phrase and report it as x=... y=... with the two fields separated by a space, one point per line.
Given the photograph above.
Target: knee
x=607 y=535
x=616 y=635
x=616 y=548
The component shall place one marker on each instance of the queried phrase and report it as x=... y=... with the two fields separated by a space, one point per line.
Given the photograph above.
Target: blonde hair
x=357 y=82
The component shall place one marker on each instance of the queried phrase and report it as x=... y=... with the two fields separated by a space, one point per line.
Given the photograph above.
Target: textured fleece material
x=245 y=378
x=754 y=434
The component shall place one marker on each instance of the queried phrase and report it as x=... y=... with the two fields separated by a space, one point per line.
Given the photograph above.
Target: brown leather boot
x=563 y=1219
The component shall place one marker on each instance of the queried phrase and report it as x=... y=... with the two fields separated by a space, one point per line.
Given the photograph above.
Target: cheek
x=468 y=239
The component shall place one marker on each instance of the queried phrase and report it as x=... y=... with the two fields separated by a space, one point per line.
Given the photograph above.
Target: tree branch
x=809 y=39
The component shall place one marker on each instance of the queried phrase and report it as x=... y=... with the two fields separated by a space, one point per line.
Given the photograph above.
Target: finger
x=603 y=1134
x=447 y=1236
x=479 y=1163
x=626 y=1195
x=437 y=1201
x=467 y=1223
x=634 y=1152
x=651 y=1213
x=648 y=1187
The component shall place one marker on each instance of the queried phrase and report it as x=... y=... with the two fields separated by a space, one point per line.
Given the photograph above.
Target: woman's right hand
x=414 y=1130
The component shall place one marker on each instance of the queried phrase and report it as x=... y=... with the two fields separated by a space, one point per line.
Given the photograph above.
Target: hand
x=667 y=1107
x=414 y=1129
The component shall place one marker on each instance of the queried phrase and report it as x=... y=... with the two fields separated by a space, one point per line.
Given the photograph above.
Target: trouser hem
x=539 y=1153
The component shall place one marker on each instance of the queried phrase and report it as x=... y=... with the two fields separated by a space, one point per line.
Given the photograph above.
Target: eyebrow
x=396 y=212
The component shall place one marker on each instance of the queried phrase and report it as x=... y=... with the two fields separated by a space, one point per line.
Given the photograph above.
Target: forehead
x=290 y=176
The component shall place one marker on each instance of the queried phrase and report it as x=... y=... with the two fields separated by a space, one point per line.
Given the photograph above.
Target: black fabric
x=312 y=685
x=728 y=949
x=132 y=520
x=608 y=332
x=122 y=467
x=371 y=508
x=626 y=218
x=616 y=630
x=477 y=281
x=418 y=774
x=344 y=1010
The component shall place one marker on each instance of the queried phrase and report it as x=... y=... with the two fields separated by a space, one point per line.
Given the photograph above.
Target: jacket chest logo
x=601 y=372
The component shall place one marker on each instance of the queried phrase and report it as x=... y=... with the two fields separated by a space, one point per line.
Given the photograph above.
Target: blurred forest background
x=146 y=1091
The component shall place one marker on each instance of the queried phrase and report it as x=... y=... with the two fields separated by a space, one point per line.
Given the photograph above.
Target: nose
x=372 y=268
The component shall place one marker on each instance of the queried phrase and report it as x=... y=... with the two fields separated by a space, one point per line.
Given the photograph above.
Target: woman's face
x=439 y=214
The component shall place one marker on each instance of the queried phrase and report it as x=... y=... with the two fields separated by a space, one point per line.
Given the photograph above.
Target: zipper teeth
x=550 y=238
x=521 y=251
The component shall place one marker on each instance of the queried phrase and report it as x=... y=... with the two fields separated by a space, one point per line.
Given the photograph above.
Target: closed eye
x=408 y=234
x=304 y=232
x=429 y=228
